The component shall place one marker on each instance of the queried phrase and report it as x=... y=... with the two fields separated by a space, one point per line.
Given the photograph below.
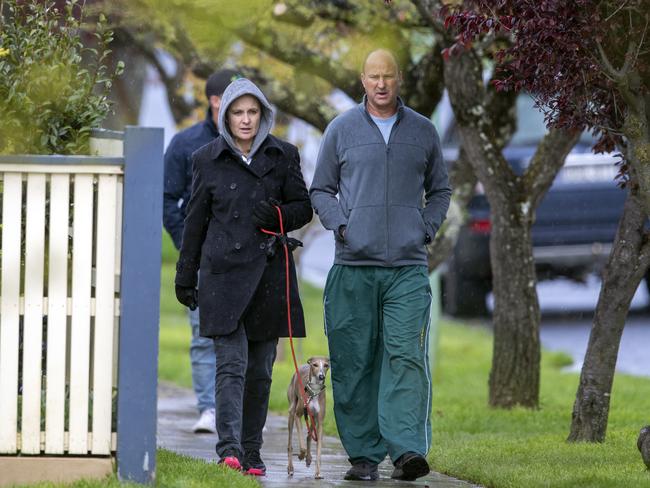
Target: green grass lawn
x=523 y=448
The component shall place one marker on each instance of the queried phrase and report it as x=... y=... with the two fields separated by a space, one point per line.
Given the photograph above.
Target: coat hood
x=236 y=89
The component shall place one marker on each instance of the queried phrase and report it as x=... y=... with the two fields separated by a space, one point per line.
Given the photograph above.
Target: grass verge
x=173 y=471
x=520 y=447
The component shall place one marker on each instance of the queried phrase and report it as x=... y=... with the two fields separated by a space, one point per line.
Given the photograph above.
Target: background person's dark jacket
x=178 y=173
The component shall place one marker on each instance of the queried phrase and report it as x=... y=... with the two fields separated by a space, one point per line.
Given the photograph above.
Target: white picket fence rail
x=59 y=302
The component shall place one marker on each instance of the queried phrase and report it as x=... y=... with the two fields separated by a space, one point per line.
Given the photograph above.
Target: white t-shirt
x=385 y=125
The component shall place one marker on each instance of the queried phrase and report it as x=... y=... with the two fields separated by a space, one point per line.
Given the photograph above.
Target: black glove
x=188 y=296
x=265 y=216
x=427 y=239
x=274 y=243
x=293 y=243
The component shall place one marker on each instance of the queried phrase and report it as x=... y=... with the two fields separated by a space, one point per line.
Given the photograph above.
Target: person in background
x=241 y=181
x=178 y=186
x=381 y=186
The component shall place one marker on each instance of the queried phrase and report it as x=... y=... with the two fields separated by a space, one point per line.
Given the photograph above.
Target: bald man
x=381 y=186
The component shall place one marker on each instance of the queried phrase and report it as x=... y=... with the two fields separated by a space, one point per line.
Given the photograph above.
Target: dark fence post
x=139 y=304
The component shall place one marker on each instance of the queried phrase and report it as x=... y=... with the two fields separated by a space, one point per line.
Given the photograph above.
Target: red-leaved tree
x=587 y=62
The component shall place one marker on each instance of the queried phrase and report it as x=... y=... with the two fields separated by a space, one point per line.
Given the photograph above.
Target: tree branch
x=424 y=83
x=302 y=58
x=179 y=107
x=463 y=79
x=428 y=11
x=546 y=162
x=311 y=109
x=607 y=65
x=302 y=15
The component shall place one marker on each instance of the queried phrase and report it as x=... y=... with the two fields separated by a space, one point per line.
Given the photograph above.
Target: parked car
x=575 y=223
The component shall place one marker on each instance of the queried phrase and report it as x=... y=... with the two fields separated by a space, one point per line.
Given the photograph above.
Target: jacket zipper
x=387 y=144
x=386 y=202
x=390 y=137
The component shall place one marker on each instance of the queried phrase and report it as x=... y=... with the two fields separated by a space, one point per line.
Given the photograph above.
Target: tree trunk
x=625 y=268
x=502 y=115
x=514 y=378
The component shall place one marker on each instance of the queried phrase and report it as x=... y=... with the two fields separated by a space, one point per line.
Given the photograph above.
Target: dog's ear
x=309 y=361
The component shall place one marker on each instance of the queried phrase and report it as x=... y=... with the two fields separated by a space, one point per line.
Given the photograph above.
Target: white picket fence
x=59 y=279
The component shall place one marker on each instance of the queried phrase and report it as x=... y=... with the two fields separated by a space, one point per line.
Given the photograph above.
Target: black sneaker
x=253 y=464
x=362 y=471
x=410 y=466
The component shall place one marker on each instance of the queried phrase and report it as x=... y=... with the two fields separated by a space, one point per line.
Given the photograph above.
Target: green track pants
x=377 y=326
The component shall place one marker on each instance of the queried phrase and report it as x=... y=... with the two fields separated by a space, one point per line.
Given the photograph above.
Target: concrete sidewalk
x=176 y=414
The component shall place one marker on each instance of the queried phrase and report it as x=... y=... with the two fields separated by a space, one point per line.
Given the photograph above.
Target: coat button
x=262 y=245
x=235 y=214
x=233 y=186
x=237 y=245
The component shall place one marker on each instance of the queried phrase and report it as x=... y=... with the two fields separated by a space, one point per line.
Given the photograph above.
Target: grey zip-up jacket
x=390 y=196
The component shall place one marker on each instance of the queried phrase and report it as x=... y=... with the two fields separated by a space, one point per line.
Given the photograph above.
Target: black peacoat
x=239 y=280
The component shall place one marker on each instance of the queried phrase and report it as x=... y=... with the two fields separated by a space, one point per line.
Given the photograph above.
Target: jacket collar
x=209 y=121
x=262 y=162
x=400 y=107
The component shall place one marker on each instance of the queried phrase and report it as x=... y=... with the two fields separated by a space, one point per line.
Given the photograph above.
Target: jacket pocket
x=407 y=233
x=365 y=234
x=214 y=254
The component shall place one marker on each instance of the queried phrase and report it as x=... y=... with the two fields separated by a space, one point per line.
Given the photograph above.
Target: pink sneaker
x=256 y=472
x=253 y=464
x=232 y=462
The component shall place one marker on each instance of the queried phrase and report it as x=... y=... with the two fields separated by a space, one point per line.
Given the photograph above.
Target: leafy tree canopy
x=584 y=60
x=53 y=87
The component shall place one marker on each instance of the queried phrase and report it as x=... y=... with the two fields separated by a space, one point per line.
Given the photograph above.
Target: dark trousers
x=243 y=372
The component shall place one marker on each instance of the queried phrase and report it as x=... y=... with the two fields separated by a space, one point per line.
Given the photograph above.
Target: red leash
x=311 y=430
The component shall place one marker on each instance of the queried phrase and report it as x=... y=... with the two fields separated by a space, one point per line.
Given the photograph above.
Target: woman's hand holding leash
x=265 y=215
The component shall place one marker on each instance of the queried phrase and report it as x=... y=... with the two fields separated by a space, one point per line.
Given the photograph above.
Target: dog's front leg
x=318 y=446
x=292 y=416
x=301 y=440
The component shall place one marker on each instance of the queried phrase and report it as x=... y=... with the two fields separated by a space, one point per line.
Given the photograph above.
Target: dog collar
x=314 y=389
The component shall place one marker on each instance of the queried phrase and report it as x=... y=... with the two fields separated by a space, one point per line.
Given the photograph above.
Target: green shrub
x=53 y=88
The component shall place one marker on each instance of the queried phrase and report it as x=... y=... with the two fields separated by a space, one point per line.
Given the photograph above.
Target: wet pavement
x=176 y=415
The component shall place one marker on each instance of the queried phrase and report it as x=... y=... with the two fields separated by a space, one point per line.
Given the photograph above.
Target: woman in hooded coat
x=238 y=180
